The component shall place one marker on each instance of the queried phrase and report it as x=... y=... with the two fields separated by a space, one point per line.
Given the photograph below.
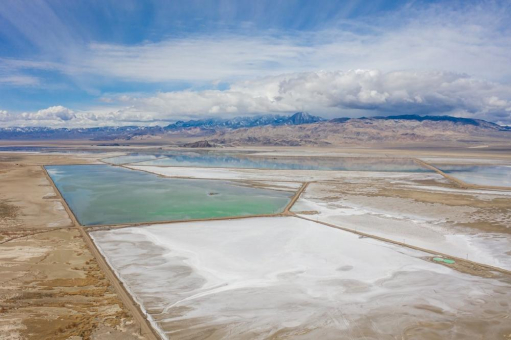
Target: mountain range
x=300 y=128
x=127 y=132
x=247 y=122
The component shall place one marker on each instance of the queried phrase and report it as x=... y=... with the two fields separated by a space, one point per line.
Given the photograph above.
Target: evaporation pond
x=481 y=175
x=104 y=194
x=131 y=158
x=220 y=160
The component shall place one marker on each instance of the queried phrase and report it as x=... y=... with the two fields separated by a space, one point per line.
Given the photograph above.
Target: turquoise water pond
x=104 y=194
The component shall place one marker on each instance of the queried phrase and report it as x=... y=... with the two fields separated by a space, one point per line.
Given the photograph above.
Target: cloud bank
x=350 y=93
x=422 y=57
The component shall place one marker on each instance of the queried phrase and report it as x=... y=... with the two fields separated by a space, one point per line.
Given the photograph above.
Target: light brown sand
x=50 y=285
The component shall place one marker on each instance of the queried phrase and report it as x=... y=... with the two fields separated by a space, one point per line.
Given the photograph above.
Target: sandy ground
x=262 y=282
x=50 y=285
x=279 y=278
x=25 y=189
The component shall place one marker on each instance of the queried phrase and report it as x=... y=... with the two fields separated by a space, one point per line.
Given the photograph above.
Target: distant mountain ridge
x=247 y=122
x=46 y=133
x=214 y=126
x=468 y=121
x=210 y=125
x=392 y=130
x=463 y=121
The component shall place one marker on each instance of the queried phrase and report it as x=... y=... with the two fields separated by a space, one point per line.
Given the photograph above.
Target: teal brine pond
x=480 y=175
x=104 y=194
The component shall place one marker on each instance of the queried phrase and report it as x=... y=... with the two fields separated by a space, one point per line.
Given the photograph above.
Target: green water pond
x=104 y=194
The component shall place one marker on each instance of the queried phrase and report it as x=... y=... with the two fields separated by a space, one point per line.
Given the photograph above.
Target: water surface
x=220 y=160
x=481 y=175
x=131 y=158
x=48 y=149
x=104 y=194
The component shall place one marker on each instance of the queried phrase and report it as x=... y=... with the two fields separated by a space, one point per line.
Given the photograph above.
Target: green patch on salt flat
x=439 y=259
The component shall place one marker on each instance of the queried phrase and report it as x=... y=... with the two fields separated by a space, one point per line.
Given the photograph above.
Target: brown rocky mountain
x=198 y=144
x=367 y=131
x=298 y=129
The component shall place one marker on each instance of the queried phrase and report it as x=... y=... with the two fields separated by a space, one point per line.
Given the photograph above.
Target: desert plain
x=356 y=253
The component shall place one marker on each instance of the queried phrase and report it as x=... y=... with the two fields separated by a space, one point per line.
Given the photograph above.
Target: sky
x=86 y=63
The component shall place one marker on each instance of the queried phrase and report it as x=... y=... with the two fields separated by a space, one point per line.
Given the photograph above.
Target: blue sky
x=91 y=63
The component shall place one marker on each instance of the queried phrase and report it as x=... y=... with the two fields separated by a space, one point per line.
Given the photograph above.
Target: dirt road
x=145 y=327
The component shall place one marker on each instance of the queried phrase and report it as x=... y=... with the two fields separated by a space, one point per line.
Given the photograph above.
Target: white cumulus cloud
x=51 y=113
x=352 y=93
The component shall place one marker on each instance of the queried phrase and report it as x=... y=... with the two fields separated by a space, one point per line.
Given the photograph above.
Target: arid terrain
x=363 y=132
x=300 y=129
x=151 y=280
x=51 y=286
x=255 y=170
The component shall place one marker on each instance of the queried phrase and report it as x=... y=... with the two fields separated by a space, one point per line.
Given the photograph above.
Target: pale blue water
x=223 y=160
x=104 y=194
x=481 y=175
x=131 y=158
x=47 y=149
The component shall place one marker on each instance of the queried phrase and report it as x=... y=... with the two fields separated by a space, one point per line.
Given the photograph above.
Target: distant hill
x=246 y=122
x=198 y=144
x=371 y=131
x=467 y=121
x=462 y=121
x=46 y=133
x=300 y=128
x=194 y=127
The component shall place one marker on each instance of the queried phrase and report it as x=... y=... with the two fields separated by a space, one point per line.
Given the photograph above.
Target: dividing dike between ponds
x=459 y=183
x=432 y=252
